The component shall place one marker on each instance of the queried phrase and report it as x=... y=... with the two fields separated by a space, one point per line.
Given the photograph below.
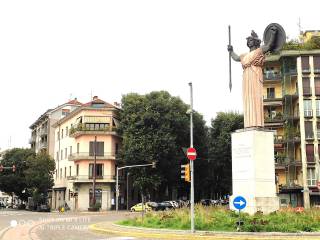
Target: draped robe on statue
x=252 y=88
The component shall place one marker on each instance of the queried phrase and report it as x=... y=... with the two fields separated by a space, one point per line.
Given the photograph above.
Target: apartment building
x=42 y=132
x=292 y=110
x=88 y=132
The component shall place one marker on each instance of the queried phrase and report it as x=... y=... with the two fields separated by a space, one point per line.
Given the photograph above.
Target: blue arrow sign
x=239 y=202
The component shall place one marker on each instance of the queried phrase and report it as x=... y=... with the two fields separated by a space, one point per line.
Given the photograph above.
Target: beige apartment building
x=42 y=132
x=91 y=126
x=292 y=109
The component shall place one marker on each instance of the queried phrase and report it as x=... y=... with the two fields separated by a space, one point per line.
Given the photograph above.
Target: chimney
x=95 y=98
x=75 y=99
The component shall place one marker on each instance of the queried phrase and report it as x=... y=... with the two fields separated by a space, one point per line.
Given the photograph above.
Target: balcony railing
x=43 y=131
x=83 y=129
x=278 y=138
x=272 y=76
x=88 y=178
x=90 y=156
x=43 y=144
x=277 y=118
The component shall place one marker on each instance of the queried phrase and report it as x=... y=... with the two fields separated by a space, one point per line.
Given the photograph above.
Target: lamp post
x=117 y=178
x=128 y=173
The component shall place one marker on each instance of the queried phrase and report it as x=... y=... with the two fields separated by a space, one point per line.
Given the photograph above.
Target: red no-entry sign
x=191 y=154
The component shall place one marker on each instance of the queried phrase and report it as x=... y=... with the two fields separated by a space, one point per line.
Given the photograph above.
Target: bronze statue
x=252 y=64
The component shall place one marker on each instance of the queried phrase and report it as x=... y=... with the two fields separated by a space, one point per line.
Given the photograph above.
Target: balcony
x=43 y=145
x=43 y=131
x=92 y=129
x=90 y=156
x=88 y=178
x=271 y=76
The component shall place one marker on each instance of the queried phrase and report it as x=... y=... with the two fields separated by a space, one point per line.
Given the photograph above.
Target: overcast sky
x=53 y=50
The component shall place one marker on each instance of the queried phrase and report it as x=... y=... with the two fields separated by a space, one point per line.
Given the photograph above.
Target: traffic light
x=1 y=168
x=185 y=172
x=13 y=168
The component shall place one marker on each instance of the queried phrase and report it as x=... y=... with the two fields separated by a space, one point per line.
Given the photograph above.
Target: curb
x=183 y=234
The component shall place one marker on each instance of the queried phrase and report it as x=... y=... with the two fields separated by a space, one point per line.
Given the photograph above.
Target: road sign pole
x=191 y=162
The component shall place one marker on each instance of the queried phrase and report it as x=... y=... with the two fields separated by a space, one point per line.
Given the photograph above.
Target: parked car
x=43 y=208
x=138 y=207
x=206 y=202
x=167 y=205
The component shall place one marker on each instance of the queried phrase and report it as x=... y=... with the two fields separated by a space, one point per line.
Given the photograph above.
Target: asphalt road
x=26 y=225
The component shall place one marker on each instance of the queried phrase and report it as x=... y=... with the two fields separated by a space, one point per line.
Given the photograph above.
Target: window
x=65 y=172
x=316 y=63
x=307 y=104
x=61 y=133
x=70 y=171
x=67 y=131
x=60 y=172
x=308 y=129
x=305 y=64
x=318 y=130
x=77 y=170
x=61 y=154
x=117 y=148
x=317 y=85
x=78 y=147
x=306 y=86
x=99 y=149
x=66 y=153
x=57 y=156
x=311 y=177
x=270 y=93
x=318 y=108
x=310 y=152
x=58 y=136
x=99 y=170
x=70 y=150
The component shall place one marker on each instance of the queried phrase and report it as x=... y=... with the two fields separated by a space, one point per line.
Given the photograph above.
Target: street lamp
x=153 y=164
x=128 y=173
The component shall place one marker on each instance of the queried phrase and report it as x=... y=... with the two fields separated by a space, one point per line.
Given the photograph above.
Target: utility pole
x=191 y=162
x=94 y=172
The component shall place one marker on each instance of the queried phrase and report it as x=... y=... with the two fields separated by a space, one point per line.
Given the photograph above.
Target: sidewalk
x=112 y=228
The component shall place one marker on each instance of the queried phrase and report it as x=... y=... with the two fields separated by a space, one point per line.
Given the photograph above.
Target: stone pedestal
x=253 y=172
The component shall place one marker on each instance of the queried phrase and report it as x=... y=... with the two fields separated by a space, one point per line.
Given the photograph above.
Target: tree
x=39 y=175
x=222 y=126
x=33 y=175
x=14 y=182
x=155 y=127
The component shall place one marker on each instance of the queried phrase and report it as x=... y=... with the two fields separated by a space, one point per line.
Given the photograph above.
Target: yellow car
x=138 y=207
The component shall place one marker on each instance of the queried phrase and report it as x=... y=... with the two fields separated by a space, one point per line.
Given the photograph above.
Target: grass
x=222 y=219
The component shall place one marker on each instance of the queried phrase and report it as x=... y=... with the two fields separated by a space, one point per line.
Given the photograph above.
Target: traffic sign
x=239 y=202
x=191 y=154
